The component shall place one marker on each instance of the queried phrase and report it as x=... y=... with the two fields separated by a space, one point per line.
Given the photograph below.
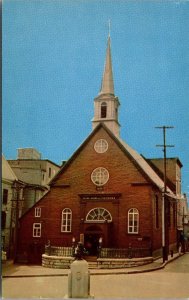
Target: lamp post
x=73 y=246
x=99 y=246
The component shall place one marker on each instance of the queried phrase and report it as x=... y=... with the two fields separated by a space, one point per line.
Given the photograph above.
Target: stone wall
x=110 y=263
x=56 y=262
x=61 y=262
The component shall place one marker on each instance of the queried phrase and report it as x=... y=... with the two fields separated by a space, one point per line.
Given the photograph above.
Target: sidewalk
x=10 y=270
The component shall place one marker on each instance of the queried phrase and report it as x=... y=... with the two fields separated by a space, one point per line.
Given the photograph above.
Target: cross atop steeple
x=109 y=26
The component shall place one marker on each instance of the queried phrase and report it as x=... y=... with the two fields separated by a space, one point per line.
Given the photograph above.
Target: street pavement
x=16 y=270
x=170 y=280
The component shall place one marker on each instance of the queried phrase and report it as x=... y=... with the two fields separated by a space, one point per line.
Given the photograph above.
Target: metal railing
x=124 y=253
x=102 y=252
x=58 y=251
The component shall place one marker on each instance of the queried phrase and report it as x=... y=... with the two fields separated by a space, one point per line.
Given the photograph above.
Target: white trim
x=100 y=176
x=36 y=229
x=101 y=146
x=131 y=228
x=37 y=212
x=66 y=221
x=98 y=215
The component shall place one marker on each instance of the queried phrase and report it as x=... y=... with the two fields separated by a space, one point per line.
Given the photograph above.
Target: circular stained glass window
x=100 y=176
x=101 y=146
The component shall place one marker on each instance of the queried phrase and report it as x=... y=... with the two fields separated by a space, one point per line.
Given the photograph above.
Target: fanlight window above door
x=98 y=214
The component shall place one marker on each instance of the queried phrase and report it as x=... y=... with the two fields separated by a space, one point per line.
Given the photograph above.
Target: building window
x=5 y=196
x=168 y=213
x=174 y=215
x=98 y=214
x=116 y=113
x=3 y=219
x=103 y=110
x=100 y=176
x=66 y=220
x=133 y=220
x=37 y=230
x=49 y=172
x=2 y=242
x=157 y=211
x=37 y=212
x=101 y=146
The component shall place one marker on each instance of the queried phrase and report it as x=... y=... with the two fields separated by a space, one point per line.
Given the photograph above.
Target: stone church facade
x=106 y=191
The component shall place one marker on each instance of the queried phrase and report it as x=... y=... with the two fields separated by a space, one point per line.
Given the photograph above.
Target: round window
x=100 y=176
x=101 y=146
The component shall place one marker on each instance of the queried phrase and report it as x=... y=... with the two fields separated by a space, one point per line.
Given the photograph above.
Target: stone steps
x=92 y=265
x=92 y=262
x=90 y=258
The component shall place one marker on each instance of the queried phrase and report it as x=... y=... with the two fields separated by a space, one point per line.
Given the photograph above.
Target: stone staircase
x=93 y=265
x=92 y=262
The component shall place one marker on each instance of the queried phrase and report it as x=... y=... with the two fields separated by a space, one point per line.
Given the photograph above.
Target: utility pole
x=165 y=234
x=17 y=204
x=16 y=226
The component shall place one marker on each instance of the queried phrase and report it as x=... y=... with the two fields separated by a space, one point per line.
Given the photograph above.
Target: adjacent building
x=183 y=216
x=24 y=182
x=12 y=196
x=105 y=192
x=30 y=168
x=173 y=172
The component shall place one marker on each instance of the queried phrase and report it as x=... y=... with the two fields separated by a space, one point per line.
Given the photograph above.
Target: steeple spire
x=106 y=104
x=107 y=86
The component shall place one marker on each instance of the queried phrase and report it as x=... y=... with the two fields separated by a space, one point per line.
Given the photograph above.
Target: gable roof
x=137 y=159
x=160 y=173
x=145 y=167
x=34 y=205
x=7 y=172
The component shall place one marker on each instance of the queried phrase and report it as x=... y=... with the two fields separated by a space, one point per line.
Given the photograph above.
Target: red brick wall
x=122 y=173
x=173 y=167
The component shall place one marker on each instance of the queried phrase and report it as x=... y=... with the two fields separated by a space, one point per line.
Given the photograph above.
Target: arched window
x=99 y=214
x=133 y=220
x=103 y=110
x=116 y=113
x=66 y=224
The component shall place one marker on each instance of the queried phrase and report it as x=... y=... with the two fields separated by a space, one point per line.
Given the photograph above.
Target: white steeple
x=107 y=85
x=106 y=103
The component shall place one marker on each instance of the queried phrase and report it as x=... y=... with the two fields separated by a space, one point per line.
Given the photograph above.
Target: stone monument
x=79 y=276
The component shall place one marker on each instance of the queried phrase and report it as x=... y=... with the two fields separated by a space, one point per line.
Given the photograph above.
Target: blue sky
x=53 y=60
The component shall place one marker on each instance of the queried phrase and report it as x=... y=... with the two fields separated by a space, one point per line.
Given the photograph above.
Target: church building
x=106 y=192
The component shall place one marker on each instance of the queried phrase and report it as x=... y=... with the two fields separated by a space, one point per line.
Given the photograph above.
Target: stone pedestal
x=79 y=280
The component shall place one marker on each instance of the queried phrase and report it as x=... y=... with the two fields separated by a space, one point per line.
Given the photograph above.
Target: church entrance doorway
x=91 y=239
x=35 y=252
